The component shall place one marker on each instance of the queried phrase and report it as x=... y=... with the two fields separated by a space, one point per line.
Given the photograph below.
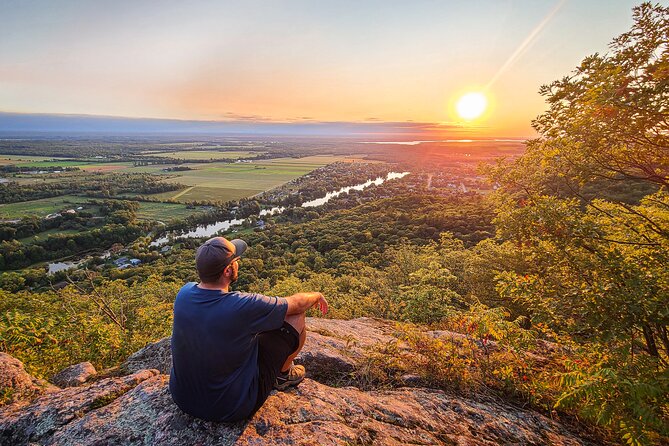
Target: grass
x=216 y=181
x=205 y=154
x=43 y=235
x=16 y=159
x=225 y=181
x=41 y=208
x=164 y=211
x=195 y=193
x=105 y=167
x=106 y=399
x=83 y=165
x=50 y=163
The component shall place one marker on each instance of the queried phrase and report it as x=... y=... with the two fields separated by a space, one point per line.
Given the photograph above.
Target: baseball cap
x=214 y=255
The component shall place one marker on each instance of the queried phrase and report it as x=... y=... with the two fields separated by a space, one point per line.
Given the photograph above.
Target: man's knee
x=297 y=321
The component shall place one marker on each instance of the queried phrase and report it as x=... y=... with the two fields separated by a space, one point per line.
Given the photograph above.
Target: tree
x=610 y=118
x=597 y=268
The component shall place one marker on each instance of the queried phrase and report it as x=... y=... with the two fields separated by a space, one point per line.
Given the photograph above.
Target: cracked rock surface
x=136 y=409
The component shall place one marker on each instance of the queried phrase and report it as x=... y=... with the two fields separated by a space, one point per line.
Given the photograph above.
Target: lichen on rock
x=74 y=375
x=137 y=409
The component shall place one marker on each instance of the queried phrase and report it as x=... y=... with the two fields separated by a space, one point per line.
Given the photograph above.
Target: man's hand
x=301 y=302
x=322 y=304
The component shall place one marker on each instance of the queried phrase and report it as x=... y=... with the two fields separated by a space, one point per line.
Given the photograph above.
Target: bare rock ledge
x=136 y=408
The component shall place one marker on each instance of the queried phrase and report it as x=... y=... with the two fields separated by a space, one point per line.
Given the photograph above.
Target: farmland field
x=40 y=208
x=83 y=165
x=205 y=154
x=46 y=206
x=215 y=181
x=105 y=167
x=51 y=163
x=17 y=159
x=164 y=211
x=195 y=193
x=225 y=181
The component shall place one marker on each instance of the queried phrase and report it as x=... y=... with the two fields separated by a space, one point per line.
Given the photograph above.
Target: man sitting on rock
x=229 y=348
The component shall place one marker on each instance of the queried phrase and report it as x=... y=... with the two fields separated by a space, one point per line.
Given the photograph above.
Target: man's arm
x=301 y=302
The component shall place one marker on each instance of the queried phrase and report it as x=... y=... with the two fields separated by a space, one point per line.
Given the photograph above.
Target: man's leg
x=275 y=348
x=299 y=324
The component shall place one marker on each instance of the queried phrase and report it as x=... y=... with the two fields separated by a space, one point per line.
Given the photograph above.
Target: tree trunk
x=664 y=336
x=650 y=340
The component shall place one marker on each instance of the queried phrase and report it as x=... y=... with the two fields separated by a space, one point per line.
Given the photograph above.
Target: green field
x=19 y=159
x=164 y=211
x=216 y=181
x=195 y=193
x=51 y=163
x=83 y=165
x=204 y=154
x=43 y=235
x=46 y=206
x=40 y=208
x=43 y=179
x=225 y=181
x=54 y=161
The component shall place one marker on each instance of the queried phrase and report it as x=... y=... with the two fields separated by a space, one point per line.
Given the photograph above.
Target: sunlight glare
x=472 y=105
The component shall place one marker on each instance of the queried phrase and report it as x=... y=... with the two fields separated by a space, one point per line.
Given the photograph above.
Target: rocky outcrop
x=38 y=421
x=317 y=414
x=74 y=375
x=333 y=347
x=333 y=350
x=136 y=409
x=15 y=383
x=156 y=355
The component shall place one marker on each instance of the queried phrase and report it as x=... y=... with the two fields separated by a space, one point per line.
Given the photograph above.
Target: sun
x=471 y=105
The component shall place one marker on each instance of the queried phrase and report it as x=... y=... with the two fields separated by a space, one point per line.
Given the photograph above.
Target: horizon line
x=28 y=122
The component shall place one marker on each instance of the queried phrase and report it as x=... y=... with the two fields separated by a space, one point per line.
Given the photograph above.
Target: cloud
x=232 y=124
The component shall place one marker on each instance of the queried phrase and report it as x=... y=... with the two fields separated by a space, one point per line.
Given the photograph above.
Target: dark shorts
x=274 y=347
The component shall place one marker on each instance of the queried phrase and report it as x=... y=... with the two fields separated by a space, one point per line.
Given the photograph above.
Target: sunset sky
x=298 y=61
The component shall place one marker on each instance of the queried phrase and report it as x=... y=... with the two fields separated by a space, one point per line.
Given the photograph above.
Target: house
x=165 y=249
x=121 y=261
x=135 y=262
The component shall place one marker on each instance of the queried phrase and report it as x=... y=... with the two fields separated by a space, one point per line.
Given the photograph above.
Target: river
x=54 y=267
x=214 y=228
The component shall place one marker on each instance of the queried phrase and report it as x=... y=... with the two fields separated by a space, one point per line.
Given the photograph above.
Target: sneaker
x=292 y=377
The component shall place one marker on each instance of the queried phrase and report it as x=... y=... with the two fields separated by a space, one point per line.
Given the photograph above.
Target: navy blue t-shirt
x=214 y=372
